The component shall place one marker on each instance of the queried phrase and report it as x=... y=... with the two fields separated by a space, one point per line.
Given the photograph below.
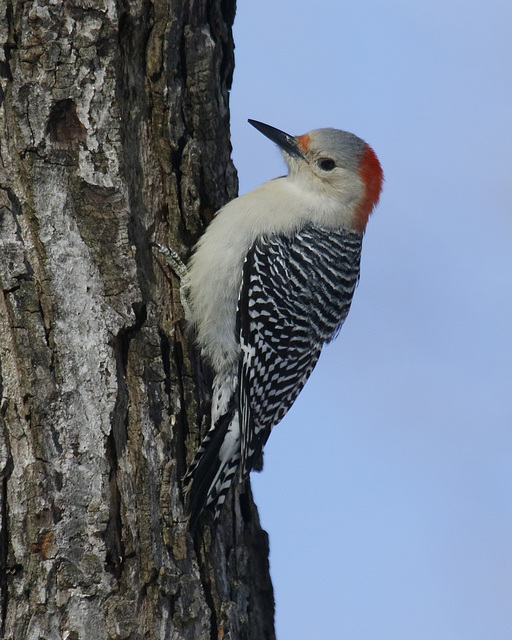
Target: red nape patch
x=303 y=141
x=372 y=177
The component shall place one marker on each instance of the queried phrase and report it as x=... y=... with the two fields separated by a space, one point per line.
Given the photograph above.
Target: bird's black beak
x=285 y=141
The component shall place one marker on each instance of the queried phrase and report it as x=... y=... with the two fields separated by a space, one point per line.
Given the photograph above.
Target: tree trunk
x=114 y=132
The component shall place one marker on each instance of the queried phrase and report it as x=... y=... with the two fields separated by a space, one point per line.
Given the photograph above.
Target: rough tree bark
x=114 y=131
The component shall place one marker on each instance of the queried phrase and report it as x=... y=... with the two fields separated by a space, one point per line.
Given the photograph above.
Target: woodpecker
x=269 y=282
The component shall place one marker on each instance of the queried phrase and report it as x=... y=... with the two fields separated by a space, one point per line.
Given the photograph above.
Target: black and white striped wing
x=296 y=293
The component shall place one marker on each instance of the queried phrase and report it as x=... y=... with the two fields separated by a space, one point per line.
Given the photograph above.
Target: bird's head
x=333 y=162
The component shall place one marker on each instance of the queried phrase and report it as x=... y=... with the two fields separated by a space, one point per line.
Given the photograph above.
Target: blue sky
x=387 y=489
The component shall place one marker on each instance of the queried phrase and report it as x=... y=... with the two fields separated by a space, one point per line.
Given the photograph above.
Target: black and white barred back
x=296 y=293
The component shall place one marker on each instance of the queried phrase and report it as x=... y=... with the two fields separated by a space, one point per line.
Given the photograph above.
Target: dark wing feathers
x=296 y=292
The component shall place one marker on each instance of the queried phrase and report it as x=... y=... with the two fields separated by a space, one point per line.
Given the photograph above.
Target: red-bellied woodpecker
x=269 y=283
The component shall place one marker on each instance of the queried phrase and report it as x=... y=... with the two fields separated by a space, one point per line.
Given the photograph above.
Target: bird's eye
x=326 y=164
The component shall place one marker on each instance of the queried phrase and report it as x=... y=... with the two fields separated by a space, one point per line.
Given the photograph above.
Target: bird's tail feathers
x=210 y=474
